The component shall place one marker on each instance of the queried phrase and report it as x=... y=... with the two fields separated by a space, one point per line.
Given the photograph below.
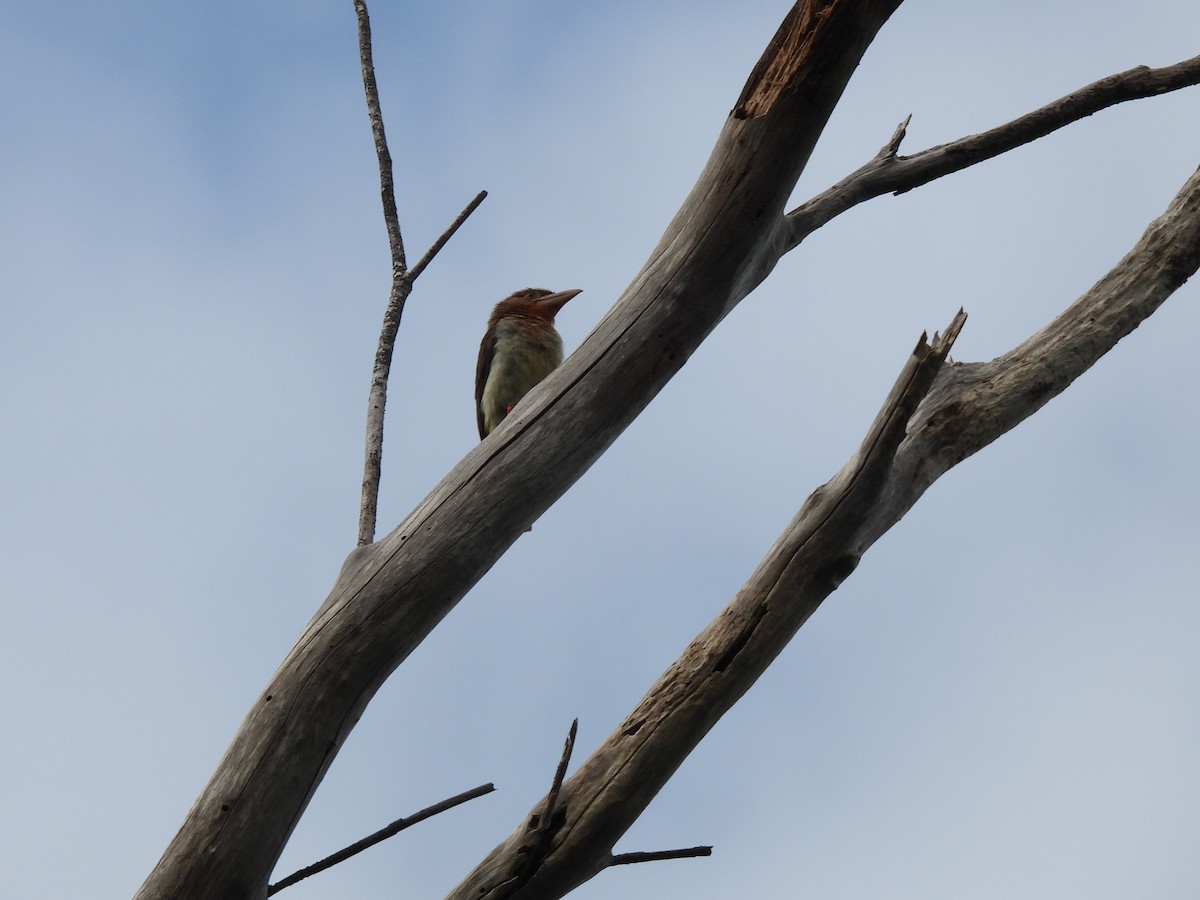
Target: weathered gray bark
x=392 y=593
x=936 y=416
x=726 y=238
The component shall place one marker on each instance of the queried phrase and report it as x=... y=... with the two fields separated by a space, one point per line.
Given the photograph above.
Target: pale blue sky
x=1003 y=701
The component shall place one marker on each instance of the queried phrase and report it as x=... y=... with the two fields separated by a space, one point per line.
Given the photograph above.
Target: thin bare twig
x=381 y=835
x=233 y=832
x=625 y=859
x=387 y=189
x=936 y=416
x=560 y=772
x=401 y=288
x=888 y=172
x=539 y=828
x=437 y=245
x=402 y=284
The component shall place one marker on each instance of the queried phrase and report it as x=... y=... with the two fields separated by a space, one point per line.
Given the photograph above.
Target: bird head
x=537 y=302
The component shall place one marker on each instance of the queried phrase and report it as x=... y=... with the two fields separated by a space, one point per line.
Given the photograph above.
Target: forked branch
x=402 y=284
x=890 y=173
x=726 y=238
x=814 y=555
x=936 y=416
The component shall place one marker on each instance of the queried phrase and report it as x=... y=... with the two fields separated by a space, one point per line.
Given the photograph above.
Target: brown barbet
x=519 y=349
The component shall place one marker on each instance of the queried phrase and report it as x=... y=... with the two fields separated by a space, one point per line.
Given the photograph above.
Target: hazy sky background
x=1004 y=699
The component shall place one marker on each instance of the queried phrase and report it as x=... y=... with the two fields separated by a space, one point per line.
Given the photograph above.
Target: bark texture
x=937 y=415
x=390 y=594
x=725 y=239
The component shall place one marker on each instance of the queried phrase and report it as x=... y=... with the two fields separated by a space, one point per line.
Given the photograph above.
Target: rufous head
x=534 y=302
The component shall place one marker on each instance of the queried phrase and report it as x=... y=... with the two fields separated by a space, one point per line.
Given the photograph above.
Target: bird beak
x=555 y=302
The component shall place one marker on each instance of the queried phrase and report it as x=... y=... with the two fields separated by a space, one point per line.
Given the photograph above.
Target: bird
x=519 y=349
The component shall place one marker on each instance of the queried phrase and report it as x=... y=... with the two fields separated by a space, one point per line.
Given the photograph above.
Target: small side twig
x=402 y=284
x=892 y=147
x=540 y=827
x=381 y=835
x=625 y=859
x=437 y=245
x=560 y=773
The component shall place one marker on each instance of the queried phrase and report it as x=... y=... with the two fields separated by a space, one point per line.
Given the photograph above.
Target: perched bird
x=519 y=349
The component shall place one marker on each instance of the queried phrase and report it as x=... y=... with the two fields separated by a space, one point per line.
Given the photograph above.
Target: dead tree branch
x=889 y=173
x=936 y=416
x=402 y=285
x=437 y=245
x=725 y=239
x=627 y=859
x=538 y=830
x=391 y=593
x=816 y=552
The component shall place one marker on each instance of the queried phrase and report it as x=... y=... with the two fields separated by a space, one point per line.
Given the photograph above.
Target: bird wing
x=487 y=348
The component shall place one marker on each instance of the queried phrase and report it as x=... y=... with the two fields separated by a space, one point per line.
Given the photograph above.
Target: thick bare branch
x=816 y=552
x=889 y=173
x=391 y=593
x=726 y=238
x=935 y=417
x=974 y=403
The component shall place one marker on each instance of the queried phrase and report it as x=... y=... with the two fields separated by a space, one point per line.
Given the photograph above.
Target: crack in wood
x=742 y=638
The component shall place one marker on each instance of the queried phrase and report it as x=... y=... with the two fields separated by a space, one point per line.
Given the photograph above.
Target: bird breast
x=526 y=351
